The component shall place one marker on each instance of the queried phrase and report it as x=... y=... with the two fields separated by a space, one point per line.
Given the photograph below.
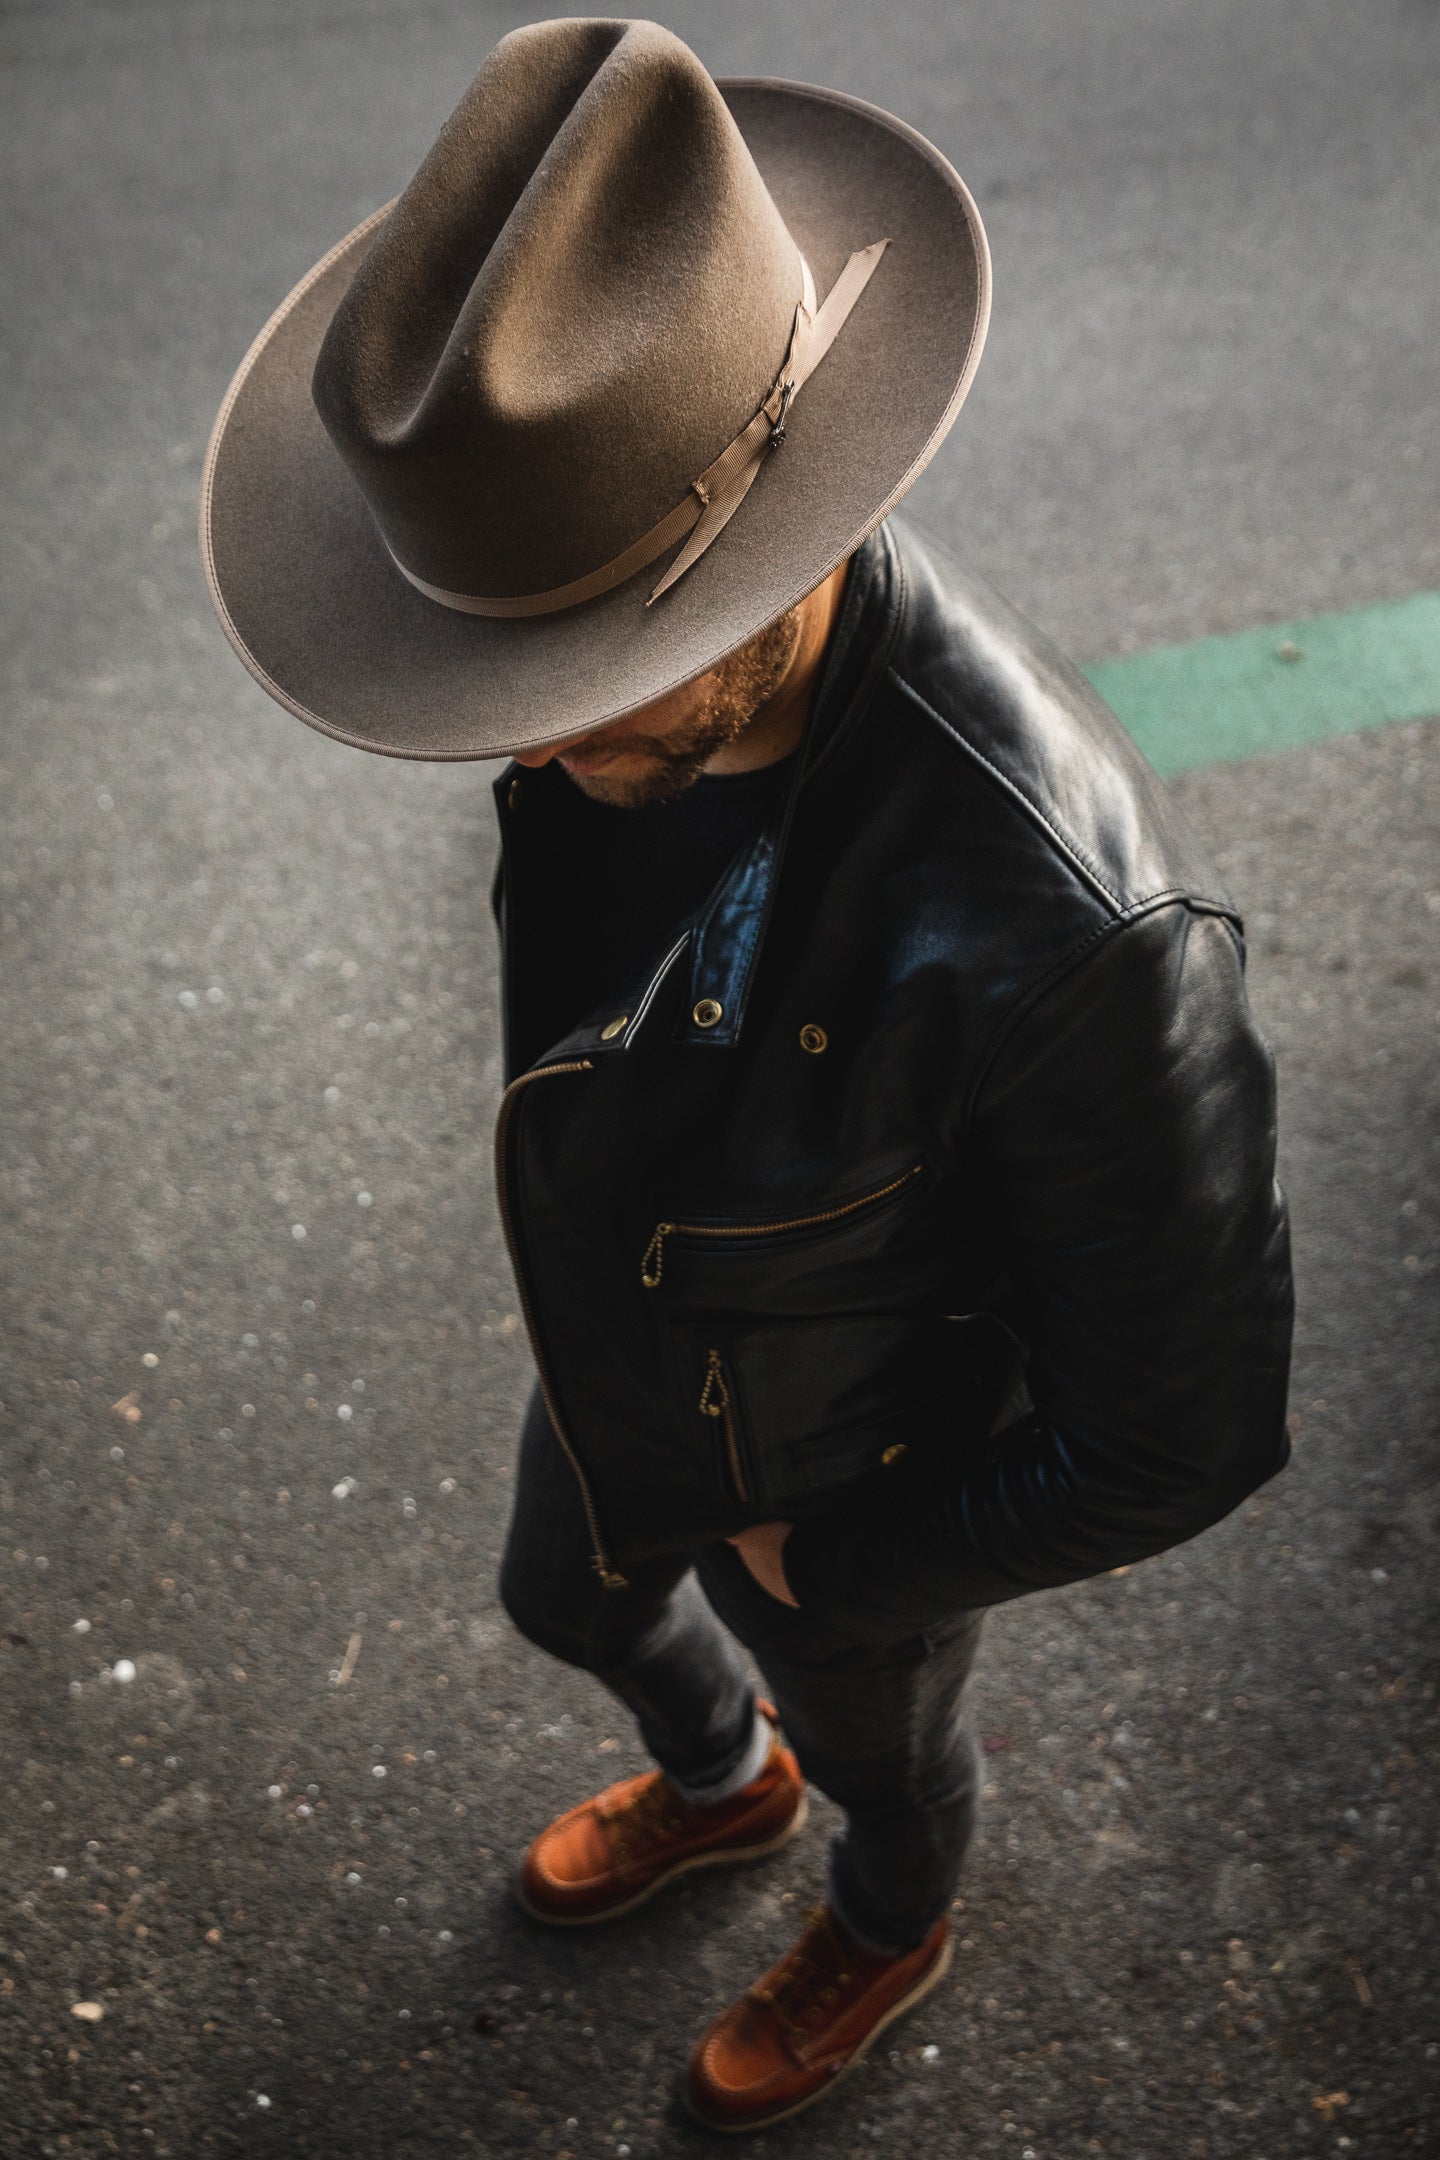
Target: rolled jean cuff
x=898 y=1944
x=892 y=1926
x=733 y=1774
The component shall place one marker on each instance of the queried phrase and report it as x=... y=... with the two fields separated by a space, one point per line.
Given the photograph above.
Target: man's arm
x=1127 y=1129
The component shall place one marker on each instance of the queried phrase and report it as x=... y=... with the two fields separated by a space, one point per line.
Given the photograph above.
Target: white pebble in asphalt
x=298 y=1232
x=344 y=1413
x=150 y=1358
x=81 y=1627
x=123 y=1670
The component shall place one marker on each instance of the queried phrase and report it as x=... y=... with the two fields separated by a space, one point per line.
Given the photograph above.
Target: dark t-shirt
x=632 y=877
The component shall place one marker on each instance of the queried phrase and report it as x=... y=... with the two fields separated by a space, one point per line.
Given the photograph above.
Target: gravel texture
x=269 y=1746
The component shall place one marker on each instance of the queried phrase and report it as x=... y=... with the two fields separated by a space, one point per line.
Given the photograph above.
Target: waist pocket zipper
x=653 y=1263
x=716 y=1402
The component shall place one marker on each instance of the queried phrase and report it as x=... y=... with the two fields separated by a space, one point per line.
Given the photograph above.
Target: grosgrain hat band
x=718 y=493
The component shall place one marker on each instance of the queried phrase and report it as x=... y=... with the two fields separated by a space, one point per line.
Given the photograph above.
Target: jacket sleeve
x=1125 y=1133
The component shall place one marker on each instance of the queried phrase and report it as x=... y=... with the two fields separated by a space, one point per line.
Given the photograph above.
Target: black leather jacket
x=922 y=1191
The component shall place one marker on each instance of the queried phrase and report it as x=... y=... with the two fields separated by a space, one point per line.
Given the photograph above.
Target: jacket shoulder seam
x=1024 y=1002
x=1032 y=809
x=1204 y=903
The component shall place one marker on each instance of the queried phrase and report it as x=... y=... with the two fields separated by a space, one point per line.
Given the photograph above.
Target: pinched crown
x=581 y=297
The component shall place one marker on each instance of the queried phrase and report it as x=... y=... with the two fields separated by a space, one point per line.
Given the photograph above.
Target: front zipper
x=716 y=1402
x=653 y=1263
x=600 y=1558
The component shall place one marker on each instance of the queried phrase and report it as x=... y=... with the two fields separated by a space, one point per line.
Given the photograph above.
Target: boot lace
x=802 y=1992
x=637 y=1824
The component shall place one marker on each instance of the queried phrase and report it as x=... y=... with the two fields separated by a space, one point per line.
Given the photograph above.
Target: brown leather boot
x=611 y=1853
x=791 y=2038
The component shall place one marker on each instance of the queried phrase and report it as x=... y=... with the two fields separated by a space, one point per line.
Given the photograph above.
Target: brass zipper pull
x=714 y=1396
x=654 y=1259
x=717 y=1402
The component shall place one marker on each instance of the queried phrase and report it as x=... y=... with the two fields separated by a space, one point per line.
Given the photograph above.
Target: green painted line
x=1276 y=689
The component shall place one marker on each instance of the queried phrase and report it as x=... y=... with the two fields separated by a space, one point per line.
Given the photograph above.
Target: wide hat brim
x=322 y=618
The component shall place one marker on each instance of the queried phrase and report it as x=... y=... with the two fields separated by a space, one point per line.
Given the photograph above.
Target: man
x=887 y=1155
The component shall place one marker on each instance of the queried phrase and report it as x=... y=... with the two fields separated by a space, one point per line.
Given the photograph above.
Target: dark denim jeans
x=881 y=1731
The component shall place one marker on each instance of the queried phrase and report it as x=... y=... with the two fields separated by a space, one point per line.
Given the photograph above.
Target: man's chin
x=626 y=784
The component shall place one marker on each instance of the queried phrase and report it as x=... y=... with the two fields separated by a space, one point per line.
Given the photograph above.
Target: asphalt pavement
x=268 y=1743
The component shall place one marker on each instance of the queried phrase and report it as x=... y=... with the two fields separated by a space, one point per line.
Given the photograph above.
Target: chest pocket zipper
x=652 y=1266
x=716 y=1402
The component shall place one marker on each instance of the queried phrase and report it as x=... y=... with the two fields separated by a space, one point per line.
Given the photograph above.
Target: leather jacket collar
x=718 y=949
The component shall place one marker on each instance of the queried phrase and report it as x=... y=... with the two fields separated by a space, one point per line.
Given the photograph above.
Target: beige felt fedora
x=632 y=364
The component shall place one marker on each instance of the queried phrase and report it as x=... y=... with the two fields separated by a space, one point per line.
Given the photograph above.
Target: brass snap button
x=612 y=1028
x=893 y=1454
x=814 y=1039
x=707 y=1012
x=512 y=793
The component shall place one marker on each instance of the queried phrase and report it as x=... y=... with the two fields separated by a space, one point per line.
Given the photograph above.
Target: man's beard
x=740 y=687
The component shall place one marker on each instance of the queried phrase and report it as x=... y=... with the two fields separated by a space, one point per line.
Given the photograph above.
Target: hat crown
x=581 y=297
